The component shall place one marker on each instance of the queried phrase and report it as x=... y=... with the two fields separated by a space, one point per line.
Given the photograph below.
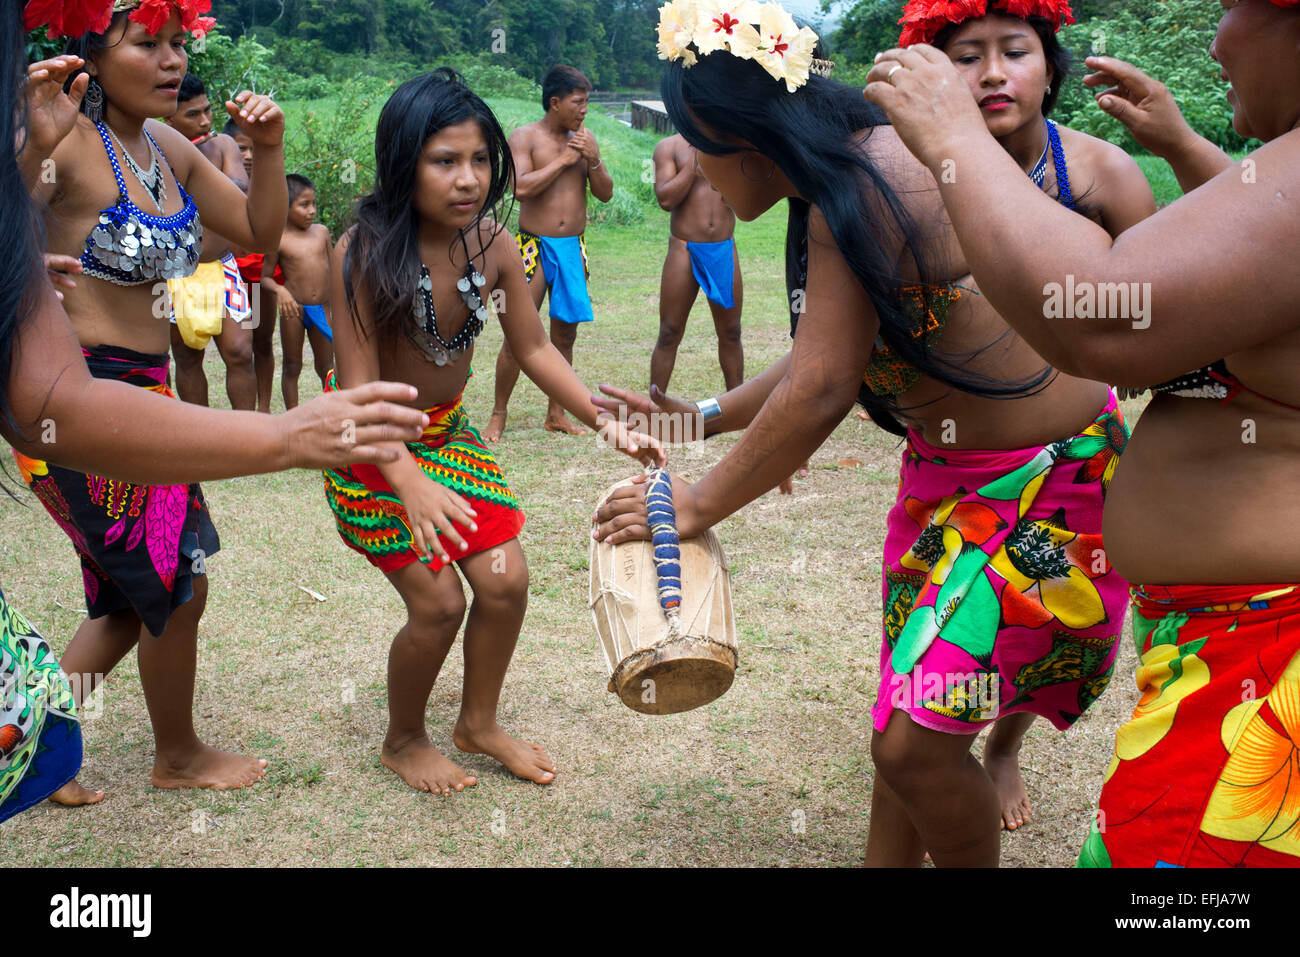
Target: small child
x=417 y=276
x=304 y=259
x=245 y=145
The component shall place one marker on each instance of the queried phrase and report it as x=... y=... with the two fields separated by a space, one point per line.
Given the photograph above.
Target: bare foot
x=208 y=768
x=521 y=758
x=562 y=423
x=1005 y=772
x=425 y=768
x=73 y=794
x=496 y=426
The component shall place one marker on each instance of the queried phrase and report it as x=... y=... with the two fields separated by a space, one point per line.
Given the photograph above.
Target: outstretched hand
x=928 y=102
x=670 y=420
x=51 y=113
x=1142 y=104
x=644 y=448
x=340 y=428
x=258 y=117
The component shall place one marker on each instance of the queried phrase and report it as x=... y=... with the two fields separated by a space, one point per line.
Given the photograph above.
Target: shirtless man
x=555 y=160
x=215 y=296
x=304 y=260
x=701 y=255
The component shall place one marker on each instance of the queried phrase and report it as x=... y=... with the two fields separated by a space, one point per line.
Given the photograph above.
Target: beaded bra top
x=129 y=247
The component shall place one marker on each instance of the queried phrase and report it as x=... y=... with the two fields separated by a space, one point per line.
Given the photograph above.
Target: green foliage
x=1169 y=40
x=866 y=28
x=489 y=78
x=611 y=41
x=1164 y=184
x=227 y=66
x=332 y=143
x=39 y=47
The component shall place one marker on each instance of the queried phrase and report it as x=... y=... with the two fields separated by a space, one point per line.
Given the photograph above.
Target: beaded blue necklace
x=129 y=247
x=1065 y=197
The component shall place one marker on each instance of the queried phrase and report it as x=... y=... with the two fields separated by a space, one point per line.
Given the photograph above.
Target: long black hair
x=384 y=249
x=810 y=135
x=20 y=268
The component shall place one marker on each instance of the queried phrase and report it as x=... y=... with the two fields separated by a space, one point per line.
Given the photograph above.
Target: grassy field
x=776 y=772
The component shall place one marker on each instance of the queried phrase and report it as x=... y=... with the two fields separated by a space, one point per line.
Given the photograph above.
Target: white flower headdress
x=689 y=29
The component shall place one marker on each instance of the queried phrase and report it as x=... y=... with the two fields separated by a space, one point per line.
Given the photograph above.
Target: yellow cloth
x=199 y=304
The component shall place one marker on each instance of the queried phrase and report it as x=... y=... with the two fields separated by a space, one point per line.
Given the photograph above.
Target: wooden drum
x=652 y=669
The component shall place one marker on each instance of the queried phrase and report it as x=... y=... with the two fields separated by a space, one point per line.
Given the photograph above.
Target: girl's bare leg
x=892 y=840
x=95 y=650
x=167 y=665
x=499 y=577
x=264 y=345
x=1002 y=762
x=945 y=792
x=435 y=605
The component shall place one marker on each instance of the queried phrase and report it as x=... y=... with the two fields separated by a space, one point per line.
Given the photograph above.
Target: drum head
x=674 y=675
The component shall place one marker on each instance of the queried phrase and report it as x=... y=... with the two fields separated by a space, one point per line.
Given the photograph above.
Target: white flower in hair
x=784 y=48
x=726 y=25
x=676 y=26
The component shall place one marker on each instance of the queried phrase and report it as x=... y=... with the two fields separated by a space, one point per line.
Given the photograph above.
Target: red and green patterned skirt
x=372 y=520
x=1207 y=772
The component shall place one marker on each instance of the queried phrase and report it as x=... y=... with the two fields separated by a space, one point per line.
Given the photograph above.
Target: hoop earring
x=92 y=104
x=745 y=173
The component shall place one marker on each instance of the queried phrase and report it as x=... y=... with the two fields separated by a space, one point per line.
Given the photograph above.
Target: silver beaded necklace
x=153 y=181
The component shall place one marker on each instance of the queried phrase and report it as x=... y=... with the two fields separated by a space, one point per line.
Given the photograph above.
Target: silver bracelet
x=592 y=169
x=709 y=409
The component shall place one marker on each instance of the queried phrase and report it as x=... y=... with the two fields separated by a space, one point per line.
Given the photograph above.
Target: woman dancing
x=998 y=598
x=1205 y=773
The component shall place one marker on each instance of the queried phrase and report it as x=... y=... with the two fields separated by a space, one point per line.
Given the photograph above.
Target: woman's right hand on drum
x=669 y=420
x=622 y=516
x=1142 y=104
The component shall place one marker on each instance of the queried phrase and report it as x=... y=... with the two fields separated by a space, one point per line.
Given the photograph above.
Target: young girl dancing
x=419 y=274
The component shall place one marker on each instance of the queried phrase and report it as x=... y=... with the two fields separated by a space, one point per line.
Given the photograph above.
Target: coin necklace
x=428 y=337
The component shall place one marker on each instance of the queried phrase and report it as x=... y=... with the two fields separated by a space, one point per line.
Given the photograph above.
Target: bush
x=1168 y=39
x=485 y=75
x=334 y=146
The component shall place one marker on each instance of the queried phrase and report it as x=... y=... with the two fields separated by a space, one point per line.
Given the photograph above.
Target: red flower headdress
x=72 y=18
x=923 y=19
